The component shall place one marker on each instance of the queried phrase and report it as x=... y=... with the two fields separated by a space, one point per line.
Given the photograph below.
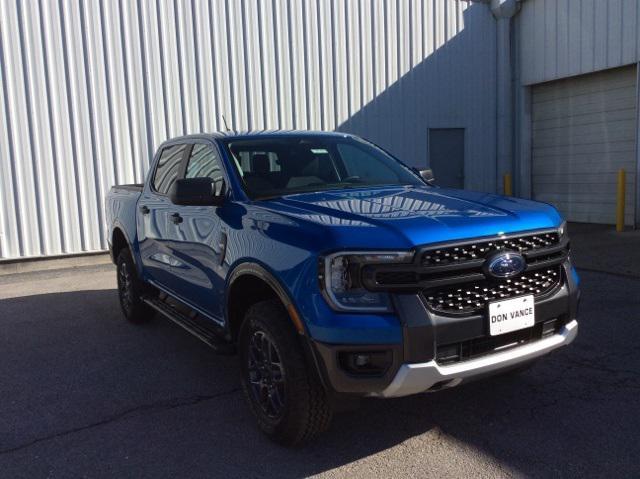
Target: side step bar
x=196 y=326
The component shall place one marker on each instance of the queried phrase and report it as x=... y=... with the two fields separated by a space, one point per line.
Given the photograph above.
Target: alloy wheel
x=125 y=285
x=266 y=374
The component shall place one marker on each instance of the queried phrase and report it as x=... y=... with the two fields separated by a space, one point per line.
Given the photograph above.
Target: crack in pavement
x=159 y=405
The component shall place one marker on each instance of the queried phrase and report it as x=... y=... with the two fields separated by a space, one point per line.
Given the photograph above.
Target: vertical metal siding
x=89 y=88
x=561 y=38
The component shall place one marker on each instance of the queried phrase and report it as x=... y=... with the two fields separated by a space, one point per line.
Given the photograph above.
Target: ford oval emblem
x=505 y=265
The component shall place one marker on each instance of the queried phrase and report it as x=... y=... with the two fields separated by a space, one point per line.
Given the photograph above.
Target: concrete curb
x=47 y=264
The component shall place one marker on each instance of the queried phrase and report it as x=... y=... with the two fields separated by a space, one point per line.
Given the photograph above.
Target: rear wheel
x=130 y=290
x=283 y=391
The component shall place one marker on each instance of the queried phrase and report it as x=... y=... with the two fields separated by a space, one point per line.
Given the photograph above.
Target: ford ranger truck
x=337 y=272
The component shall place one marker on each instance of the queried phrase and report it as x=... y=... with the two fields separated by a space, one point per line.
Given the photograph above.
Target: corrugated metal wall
x=560 y=38
x=89 y=88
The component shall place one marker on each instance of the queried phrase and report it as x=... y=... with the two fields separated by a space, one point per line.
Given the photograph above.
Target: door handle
x=144 y=209
x=176 y=218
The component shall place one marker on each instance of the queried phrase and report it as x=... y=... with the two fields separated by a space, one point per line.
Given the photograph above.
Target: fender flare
x=251 y=268
x=120 y=227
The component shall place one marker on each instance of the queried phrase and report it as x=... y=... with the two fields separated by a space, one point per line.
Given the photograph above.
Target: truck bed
x=137 y=187
x=121 y=208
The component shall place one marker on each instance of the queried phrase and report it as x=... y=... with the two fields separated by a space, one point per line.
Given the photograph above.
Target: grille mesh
x=459 y=254
x=471 y=298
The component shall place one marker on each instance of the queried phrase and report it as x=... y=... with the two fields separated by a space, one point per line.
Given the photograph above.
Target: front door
x=446 y=156
x=202 y=239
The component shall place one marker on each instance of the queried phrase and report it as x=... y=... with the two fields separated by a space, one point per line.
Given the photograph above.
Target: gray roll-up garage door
x=584 y=131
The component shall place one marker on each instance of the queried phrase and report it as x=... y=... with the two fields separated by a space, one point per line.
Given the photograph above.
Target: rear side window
x=168 y=168
x=204 y=163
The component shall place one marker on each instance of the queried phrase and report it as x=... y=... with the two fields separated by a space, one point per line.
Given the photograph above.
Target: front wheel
x=283 y=391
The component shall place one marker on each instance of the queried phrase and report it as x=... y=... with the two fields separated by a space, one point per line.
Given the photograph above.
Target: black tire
x=284 y=394
x=131 y=289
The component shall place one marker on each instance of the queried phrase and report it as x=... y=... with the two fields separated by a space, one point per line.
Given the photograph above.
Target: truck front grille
x=473 y=297
x=460 y=254
x=452 y=279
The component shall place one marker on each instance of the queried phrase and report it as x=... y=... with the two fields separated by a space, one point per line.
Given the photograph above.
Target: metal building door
x=446 y=156
x=583 y=131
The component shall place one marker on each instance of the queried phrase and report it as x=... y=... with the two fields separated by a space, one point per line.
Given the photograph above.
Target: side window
x=204 y=163
x=168 y=168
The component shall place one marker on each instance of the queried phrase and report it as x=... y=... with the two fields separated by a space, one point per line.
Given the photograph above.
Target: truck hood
x=404 y=217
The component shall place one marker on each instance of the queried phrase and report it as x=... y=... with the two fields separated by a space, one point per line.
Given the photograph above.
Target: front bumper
x=415 y=364
x=420 y=377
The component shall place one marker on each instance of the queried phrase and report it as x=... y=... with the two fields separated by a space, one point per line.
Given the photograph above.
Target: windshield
x=271 y=167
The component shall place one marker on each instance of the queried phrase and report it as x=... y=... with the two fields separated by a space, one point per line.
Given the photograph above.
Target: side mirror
x=427 y=176
x=195 y=192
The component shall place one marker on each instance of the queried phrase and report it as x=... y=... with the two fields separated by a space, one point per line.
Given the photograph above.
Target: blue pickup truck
x=337 y=272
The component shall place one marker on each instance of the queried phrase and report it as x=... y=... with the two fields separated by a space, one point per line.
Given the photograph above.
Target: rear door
x=156 y=228
x=201 y=238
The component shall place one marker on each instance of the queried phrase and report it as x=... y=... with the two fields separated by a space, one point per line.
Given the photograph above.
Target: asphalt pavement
x=85 y=394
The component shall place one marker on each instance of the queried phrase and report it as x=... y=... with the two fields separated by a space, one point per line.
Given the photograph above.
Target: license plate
x=511 y=314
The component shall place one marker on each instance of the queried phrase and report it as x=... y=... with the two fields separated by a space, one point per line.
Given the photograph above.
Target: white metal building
x=88 y=88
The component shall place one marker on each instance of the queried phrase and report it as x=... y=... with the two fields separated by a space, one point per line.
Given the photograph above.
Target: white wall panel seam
x=80 y=202
x=162 y=69
x=41 y=131
x=109 y=97
x=304 y=35
x=130 y=63
x=101 y=150
x=230 y=68
x=38 y=205
x=80 y=109
x=113 y=53
x=10 y=246
x=65 y=161
x=215 y=78
x=145 y=85
x=193 y=45
x=180 y=67
x=95 y=155
x=262 y=80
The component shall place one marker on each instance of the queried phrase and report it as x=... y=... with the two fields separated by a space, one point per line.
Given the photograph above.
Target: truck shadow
x=104 y=388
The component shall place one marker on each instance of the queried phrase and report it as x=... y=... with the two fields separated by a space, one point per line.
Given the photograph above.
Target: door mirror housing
x=195 y=192
x=427 y=176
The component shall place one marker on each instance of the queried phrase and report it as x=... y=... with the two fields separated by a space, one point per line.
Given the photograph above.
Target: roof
x=247 y=134
x=254 y=133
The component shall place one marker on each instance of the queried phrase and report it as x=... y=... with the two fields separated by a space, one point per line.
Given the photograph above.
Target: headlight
x=341 y=283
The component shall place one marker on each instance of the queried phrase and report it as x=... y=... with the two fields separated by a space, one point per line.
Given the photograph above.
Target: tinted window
x=359 y=163
x=293 y=164
x=204 y=163
x=168 y=168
